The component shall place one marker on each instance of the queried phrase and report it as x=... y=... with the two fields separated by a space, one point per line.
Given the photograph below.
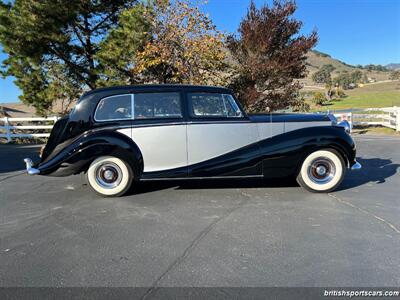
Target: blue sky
x=354 y=31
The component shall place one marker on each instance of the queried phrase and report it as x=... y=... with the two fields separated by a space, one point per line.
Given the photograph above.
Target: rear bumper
x=29 y=167
x=356 y=166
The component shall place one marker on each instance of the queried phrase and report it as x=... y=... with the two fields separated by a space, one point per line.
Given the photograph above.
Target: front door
x=221 y=141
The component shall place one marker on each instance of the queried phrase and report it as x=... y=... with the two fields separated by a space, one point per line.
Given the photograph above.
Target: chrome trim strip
x=196 y=178
x=29 y=168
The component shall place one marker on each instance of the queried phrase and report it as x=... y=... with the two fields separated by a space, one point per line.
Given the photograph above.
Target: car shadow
x=228 y=183
x=375 y=170
x=12 y=156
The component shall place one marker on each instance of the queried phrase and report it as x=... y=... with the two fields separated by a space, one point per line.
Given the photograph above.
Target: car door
x=221 y=140
x=159 y=130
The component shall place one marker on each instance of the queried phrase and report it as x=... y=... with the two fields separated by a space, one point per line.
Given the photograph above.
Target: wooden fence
x=26 y=127
x=387 y=117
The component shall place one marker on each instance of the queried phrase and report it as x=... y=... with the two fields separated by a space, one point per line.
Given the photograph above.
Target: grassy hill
x=373 y=95
x=316 y=60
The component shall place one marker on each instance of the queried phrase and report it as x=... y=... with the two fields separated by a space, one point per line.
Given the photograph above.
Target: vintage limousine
x=122 y=135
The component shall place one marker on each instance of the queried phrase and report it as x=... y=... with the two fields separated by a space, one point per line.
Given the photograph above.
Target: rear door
x=220 y=139
x=159 y=130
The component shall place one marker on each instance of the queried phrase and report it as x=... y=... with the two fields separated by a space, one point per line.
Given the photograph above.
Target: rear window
x=114 y=108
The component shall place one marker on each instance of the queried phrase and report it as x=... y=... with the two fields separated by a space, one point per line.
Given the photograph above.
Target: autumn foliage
x=270 y=54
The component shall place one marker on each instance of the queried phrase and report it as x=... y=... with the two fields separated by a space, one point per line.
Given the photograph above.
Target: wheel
x=322 y=171
x=110 y=176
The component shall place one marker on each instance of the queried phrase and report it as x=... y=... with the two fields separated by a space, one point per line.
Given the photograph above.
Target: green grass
x=373 y=95
x=377 y=130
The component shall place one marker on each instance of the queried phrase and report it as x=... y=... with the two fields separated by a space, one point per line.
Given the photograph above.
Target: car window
x=213 y=105
x=114 y=108
x=157 y=105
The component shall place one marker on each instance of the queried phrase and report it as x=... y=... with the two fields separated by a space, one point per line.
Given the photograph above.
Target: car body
x=121 y=135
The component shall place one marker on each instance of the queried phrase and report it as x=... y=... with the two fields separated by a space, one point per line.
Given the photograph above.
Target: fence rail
x=26 y=127
x=387 y=117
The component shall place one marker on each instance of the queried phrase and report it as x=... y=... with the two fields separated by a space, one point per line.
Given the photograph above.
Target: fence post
x=8 y=131
x=398 y=119
x=350 y=120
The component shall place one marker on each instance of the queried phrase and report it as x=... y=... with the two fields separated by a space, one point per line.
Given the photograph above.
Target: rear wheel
x=322 y=171
x=110 y=176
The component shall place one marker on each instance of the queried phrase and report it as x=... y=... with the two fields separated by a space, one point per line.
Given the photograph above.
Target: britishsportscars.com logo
x=361 y=293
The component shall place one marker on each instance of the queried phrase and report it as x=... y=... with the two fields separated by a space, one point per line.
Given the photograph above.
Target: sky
x=354 y=31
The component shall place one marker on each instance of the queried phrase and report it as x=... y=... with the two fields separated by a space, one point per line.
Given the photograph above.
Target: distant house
x=16 y=110
x=352 y=85
x=3 y=112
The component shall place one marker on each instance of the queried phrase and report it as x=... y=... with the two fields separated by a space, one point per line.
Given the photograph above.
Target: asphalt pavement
x=55 y=232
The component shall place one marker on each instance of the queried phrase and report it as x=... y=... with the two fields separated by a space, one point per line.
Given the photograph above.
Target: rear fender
x=77 y=154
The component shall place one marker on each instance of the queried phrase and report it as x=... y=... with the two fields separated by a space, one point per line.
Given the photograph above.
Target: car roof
x=156 y=88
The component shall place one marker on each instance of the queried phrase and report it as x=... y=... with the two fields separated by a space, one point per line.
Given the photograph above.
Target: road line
x=12 y=176
x=394 y=228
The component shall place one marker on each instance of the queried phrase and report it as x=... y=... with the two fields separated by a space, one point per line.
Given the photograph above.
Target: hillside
x=316 y=59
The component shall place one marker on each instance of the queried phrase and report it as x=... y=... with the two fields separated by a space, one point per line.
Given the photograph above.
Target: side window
x=213 y=105
x=114 y=108
x=157 y=105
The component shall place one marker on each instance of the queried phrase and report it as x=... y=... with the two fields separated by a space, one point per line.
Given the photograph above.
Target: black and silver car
x=122 y=135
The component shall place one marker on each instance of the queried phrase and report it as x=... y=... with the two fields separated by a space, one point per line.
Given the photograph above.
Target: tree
x=184 y=46
x=62 y=34
x=271 y=54
x=322 y=76
x=356 y=76
x=343 y=80
x=118 y=51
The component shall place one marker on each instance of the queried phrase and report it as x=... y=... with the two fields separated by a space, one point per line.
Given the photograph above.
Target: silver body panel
x=173 y=146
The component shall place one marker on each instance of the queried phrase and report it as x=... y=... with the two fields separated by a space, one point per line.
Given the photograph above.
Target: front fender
x=282 y=154
x=74 y=156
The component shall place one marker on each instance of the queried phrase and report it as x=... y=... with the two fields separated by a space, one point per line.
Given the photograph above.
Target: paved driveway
x=55 y=232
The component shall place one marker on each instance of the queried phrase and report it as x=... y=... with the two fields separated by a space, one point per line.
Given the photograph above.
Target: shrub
x=319 y=98
x=340 y=93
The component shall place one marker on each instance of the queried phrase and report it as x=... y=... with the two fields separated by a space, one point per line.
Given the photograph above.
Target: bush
x=340 y=93
x=319 y=98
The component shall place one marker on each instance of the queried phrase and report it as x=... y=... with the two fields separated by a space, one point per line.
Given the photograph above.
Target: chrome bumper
x=356 y=166
x=29 y=168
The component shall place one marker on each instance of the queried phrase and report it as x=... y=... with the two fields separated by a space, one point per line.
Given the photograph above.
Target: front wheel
x=322 y=171
x=110 y=176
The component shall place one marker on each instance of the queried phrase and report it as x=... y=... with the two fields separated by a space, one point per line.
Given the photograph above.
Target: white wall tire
x=109 y=176
x=322 y=171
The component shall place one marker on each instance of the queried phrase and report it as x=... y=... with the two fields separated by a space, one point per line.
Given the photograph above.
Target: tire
x=109 y=176
x=322 y=171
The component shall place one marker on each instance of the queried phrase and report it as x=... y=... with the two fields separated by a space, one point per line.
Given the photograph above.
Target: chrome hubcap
x=108 y=175
x=322 y=170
